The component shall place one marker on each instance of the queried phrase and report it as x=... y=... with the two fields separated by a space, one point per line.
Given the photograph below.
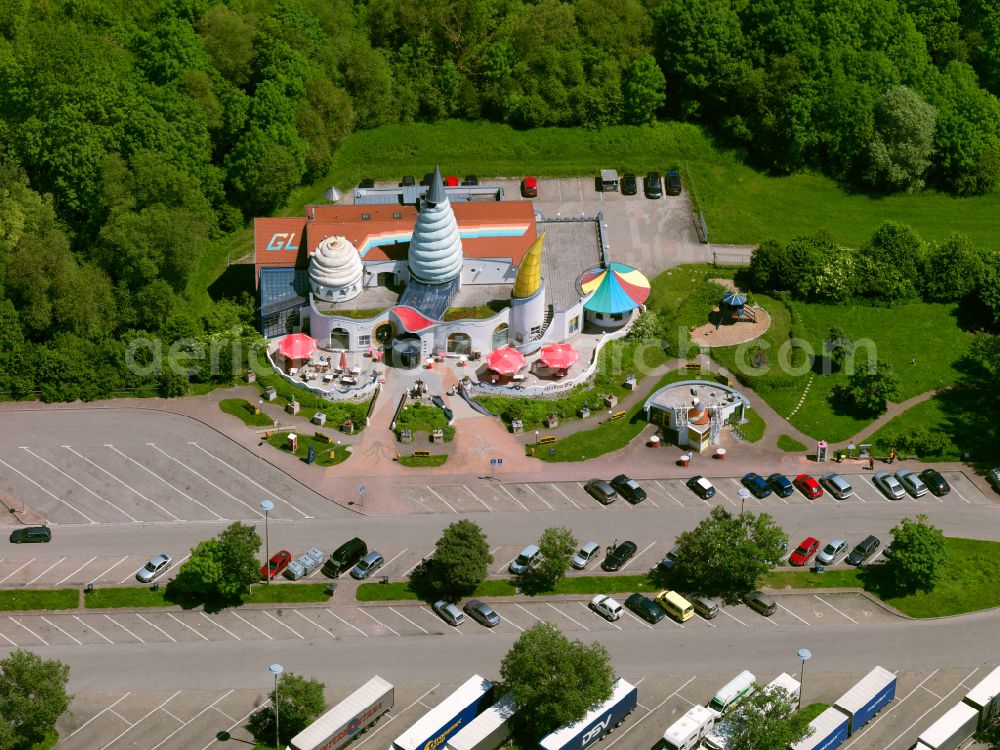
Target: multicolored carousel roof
x=617 y=289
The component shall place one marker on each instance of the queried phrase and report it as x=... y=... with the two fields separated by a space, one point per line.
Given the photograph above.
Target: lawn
x=239 y=407
x=127 y=597
x=326 y=454
x=753 y=429
x=32 y=599
x=422 y=462
x=943 y=428
x=419 y=417
x=789 y=444
x=283 y=593
x=806 y=579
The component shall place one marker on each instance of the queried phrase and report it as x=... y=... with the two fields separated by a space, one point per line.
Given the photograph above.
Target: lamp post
x=267 y=506
x=536 y=438
x=805 y=655
x=743 y=493
x=276 y=669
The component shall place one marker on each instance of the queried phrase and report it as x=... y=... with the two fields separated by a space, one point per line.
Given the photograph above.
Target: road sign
x=361 y=489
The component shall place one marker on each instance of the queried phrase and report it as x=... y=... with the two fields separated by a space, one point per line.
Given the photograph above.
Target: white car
x=911 y=482
x=889 y=485
x=606 y=607
x=154 y=568
x=587 y=553
x=829 y=554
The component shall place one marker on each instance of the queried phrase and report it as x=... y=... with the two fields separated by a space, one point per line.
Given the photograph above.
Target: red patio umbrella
x=343 y=360
x=297 y=346
x=505 y=360
x=559 y=356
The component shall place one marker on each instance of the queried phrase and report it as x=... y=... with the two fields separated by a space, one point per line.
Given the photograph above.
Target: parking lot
x=192 y=718
x=495 y=497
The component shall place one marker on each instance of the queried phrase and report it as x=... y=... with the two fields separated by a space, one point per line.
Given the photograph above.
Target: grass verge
x=126 y=598
x=419 y=462
x=806 y=579
x=326 y=454
x=292 y=592
x=26 y=599
x=753 y=429
x=239 y=407
x=813 y=710
x=790 y=445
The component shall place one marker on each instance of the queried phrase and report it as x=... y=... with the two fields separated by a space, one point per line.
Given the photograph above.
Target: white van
x=718 y=738
x=737 y=688
x=687 y=731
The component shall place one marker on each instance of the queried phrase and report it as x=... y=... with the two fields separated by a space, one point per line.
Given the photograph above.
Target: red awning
x=505 y=360
x=297 y=346
x=559 y=356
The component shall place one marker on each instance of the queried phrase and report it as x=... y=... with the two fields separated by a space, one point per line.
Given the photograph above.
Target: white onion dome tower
x=435 y=255
x=335 y=270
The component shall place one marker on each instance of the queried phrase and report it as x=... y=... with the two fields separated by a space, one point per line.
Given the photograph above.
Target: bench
x=547 y=439
x=617 y=415
x=421 y=454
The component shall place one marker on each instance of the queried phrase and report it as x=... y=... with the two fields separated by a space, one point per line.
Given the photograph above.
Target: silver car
x=482 y=613
x=836 y=485
x=829 y=554
x=154 y=568
x=368 y=565
x=449 y=612
x=911 y=482
x=587 y=553
x=888 y=484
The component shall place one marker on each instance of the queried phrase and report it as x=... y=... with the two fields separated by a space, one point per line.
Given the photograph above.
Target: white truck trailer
x=985 y=697
x=354 y=714
x=489 y=730
x=951 y=730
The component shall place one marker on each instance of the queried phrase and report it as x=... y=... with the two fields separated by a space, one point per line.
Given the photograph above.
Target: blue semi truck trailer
x=599 y=721
x=449 y=717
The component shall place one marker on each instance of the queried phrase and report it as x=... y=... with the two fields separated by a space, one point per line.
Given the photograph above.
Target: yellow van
x=675 y=605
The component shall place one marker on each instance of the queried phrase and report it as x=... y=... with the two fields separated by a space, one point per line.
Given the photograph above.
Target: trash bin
x=330 y=588
x=817 y=568
x=685 y=459
x=385 y=579
x=721 y=454
x=654 y=442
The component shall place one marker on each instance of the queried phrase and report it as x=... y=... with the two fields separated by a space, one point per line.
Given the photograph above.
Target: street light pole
x=805 y=655
x=267 y=506
x=276 y=669
x=743 y=492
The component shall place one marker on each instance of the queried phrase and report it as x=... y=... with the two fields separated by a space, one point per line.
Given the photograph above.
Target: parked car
x=628 y=184
x=529 y=187
x=367 y=182
x=368 y=565
x=673 y=182
x=652 y=186
x=781 y=485
x=783 y=547
x=439 y=403
x=888 y=484
x=833 y=549
x=836 y=485
x=345 y=557
x=470 y=180
x=274 y=567
x=760 y=602
x=993 y=477
x=701 y=487
x=525 y=561
x=911 y=482
x=808 y=486
x=804 y=551
x=601 y=491
x=408 y=181
x=670 y=559
x=645 y=607
x=606 y=607
x=756 y=484
x=583 y=557
x=482 y=613
x=618 y=556
x=705 y=606
x=629 y=489
x=449 y=612
x=936 y=483
x=30 y=534
x=451 y=181
x=864 y=550
x=152 y=570
x=428 y=179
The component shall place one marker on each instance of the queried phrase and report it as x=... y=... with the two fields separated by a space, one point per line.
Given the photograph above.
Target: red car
x=808 y=486
x=279 y=561
x=529 y=187
x=804 y=551
x=451 y=181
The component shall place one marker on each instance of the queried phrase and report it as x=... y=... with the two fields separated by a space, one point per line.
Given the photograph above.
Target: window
x=616 y=316
x=500 y=336
x=574 y=324
x=364 y=340
x=366 y=217
x=460 y=343
x=397 y=215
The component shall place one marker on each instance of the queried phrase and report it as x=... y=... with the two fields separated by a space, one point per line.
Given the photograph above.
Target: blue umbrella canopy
x=734 y=299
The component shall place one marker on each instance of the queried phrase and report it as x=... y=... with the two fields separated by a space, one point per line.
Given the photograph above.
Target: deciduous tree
x=918 y=554
x=765 y=720
x=461 y=559
x=900 y=150
x=872 y=386
x=300 y=702
x=557 y=546
x=32 y=696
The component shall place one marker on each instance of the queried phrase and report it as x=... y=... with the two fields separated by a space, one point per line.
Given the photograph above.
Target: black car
x=781 y=485
x=645 y=607
x=368 y=182
x=756 y=484
x=618 y=556
x=628 y=184
x=408 y=181
x=652 y=185
x=863 y=551
x=629 y=489
x=439 y=403
x=701 y=487
x=936 y=483
x=31 y=534
x=429 y=179
x=470 y=180
x=673 y=182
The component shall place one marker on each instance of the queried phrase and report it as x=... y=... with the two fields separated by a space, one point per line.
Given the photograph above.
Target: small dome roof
x=335 y=263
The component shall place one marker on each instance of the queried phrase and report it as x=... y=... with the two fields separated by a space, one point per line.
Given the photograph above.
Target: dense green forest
x=132 y=135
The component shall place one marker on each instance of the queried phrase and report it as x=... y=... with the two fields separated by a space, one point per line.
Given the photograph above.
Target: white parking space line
x=29 y=630
x=365 y=612
x=478 y=498
x=299 y=613
x=564 y=495
x=393 y=609
x=346 y=622
x=382 y=725
x=920 y=718
x=153 y=625
x=283 y=624
x=197 y=633
x=17 y=569
x=530 y=614
x=667 y=492
x=91 y=626
x=511 y=622
x=8 y=640
x=84 y=487
x=500 y=570
x=638 y=619
x=960 y=496
x=533 y=492
x=185 y=723
x=441 y=498
x=175 y=563
x=927 y=689
x=843 y=614
x=95 y=578
x=54 y=497
x=235 y=723
x=525 y=507
x=122 y=483
x=97 y=715
x=251 y=480
x=111 y=620
x=792 y=614
x=555 y=608
x=650 y=712
x=390 y=562
x=247 y=622
x=175 y=489
x=637 y=556
x=221 y=627
x=723 y=611
x=141 y=720
x=205 y=479
x=77 y=570
x=133 y=574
